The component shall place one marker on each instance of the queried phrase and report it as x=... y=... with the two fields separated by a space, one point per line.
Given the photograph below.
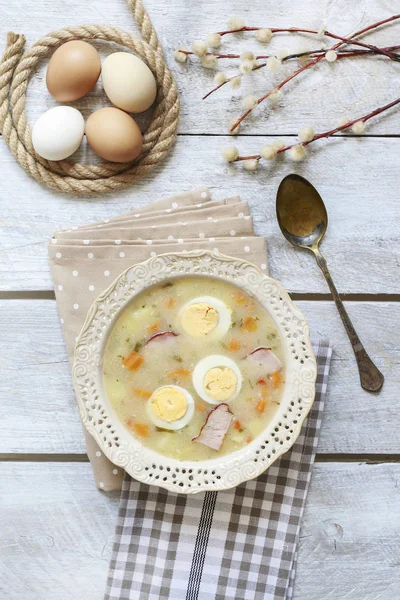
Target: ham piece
x=214 y=429
x=162 y=336
x=266 y=358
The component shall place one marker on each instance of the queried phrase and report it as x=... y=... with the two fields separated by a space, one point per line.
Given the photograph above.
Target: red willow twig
x=312 y=64
x=313 y=32
x=311 y=53
x=330 y=133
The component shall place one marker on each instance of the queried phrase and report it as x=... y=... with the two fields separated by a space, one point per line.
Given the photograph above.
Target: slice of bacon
x=214 y=429
x=266 y=358
x=162 y=336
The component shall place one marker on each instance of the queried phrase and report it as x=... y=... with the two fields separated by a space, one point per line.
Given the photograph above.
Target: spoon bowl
x=303 y=220
x=301 y=212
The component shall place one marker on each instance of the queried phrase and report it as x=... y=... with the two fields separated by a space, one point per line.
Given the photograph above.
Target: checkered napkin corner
x=235 y=544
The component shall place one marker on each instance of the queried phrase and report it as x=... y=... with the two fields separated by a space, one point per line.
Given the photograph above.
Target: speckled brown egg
x=114 y=135
x=73 y=71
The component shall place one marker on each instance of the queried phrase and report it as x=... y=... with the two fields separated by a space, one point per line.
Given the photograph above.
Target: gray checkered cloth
x=235 y=544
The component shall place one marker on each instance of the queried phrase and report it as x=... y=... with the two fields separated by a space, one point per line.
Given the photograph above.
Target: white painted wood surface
x=57 y=532
x=356 y=177
x=56 y=529
x=39 y=413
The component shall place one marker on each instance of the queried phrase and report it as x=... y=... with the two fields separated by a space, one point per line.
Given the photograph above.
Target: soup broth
x=194 y=358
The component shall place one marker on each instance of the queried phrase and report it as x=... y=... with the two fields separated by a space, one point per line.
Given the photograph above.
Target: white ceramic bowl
x=223 y=472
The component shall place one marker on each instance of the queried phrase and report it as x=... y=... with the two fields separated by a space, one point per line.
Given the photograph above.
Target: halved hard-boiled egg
x=170 y=407
x=206 y=316
x=217 y=378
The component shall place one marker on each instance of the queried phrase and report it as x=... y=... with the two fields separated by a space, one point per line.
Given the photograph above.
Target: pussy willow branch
x=312 y=64
x=330 y=133
x=345 y=53
x=313 y=32
x=373 y=50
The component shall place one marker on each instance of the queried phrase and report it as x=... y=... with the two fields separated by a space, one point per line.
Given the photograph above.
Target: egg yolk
x=200 y=319
x=220 y=383
x=169 y=404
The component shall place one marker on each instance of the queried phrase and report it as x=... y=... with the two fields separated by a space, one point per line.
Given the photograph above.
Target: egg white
x=224 y=314
x=179 y=423
x=210 y=362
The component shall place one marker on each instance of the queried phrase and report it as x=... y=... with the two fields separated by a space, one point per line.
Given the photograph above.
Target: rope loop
x=16 y=69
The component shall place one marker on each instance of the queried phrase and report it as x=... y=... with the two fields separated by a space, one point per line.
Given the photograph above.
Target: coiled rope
x=16 y=68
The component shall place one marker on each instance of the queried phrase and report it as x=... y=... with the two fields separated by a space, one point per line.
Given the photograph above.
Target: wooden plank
x=57 y=532
x=320 y=97
x=38 y=412
x=360 y=190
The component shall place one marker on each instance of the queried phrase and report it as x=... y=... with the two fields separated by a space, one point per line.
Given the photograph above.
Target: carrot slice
x=153 y=328
x=277 y=379
x=133 y=361
x=262 y=381
x=261 y=405
x=143 y=394
x=178 y=373
x=141 y=429
x=237 y=425
x=234 y=345
x=170 y=303
x=250 y=324
x=200 y=408
x=249 y=439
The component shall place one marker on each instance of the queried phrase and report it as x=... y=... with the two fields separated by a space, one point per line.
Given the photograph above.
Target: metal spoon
x=303 y=220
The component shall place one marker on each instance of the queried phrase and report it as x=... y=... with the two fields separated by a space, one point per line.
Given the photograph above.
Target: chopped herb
x=164 y=430
x=234 y=324
x=143 y=306
x=251 y=385
x=275 y=402
x=177 y=358
x=120 y=356
x=169 y=326
x=138 y=346
x=167 y=284
x=224 y=345
x=127 y=340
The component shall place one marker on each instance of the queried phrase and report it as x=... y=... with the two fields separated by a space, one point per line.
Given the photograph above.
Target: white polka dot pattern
x=87 y=268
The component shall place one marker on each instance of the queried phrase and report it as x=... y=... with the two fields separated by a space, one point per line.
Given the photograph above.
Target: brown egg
x=114 y=135
x=73 y=71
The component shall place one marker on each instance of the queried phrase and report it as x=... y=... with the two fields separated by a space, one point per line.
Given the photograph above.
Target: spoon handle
x=370 y=376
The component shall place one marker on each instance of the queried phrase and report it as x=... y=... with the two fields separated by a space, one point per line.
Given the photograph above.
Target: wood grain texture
x=57 y=531
x=319 y=97
x=39 y=415
x=362 y=245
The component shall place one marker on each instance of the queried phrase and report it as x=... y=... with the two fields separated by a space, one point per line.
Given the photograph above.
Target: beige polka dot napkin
x=85 y=260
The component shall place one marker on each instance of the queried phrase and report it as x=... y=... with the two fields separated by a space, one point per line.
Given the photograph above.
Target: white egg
x=128 y=82
x=217 y=379
x=197 y=320
x=164 y=395
x=58 y=133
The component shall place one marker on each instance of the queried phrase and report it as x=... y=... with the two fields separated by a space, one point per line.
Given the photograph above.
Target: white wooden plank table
x=56 y=529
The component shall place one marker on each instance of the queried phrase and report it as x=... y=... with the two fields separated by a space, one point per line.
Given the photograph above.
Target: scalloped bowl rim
x=223 y=472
